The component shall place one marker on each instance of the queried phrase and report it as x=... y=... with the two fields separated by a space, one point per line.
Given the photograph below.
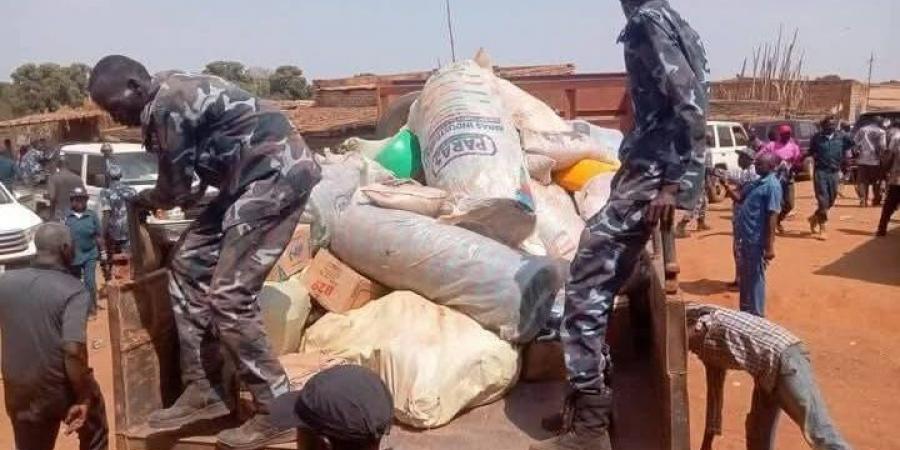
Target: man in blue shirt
x=827 y=149
x=86 y=233
x=754 y=227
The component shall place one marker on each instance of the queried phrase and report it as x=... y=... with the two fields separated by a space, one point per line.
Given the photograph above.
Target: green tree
x=288 y=82
x=229 y=70
x=47 y=87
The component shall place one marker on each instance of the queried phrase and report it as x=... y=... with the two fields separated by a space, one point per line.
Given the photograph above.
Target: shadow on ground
x=875 y=261
x=705 y=287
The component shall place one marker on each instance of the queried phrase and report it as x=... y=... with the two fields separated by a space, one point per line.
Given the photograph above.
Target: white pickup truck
x=17 y=226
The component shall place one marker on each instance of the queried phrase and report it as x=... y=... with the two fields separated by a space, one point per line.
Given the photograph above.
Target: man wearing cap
x=108 y=160
x=341 y=408
x=85 y=229
x=60 y=184
x=827 y=148
x=785 y=148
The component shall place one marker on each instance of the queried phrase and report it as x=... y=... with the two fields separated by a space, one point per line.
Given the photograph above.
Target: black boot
x=587 y=428
x=258 y=432
x=198 y=402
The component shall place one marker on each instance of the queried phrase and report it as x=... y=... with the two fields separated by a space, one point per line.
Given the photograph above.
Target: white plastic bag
x=594 y=195
x=341 y=176
x=284 y=308
x=559 y=226
x=471 y=149
x=583 y=140
x=436 y=362
x=503 y=290
x=409 y=195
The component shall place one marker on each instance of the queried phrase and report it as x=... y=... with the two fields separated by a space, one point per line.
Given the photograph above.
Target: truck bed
x=650 y=379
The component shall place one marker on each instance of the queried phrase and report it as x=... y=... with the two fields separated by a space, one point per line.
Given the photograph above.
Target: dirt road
x=842 y=297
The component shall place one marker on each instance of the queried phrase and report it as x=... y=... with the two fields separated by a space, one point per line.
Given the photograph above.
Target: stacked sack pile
x=437 y=286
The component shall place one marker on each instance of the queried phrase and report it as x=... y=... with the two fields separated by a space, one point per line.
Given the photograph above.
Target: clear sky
x=331 y=38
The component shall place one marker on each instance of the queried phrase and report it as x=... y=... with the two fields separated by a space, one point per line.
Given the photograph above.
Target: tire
x=395 y=116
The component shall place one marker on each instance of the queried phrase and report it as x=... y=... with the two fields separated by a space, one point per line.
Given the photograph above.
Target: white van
x=723 y=139
x=139 y=168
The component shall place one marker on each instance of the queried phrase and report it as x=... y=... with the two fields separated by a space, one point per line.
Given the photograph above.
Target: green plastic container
x=402 y=155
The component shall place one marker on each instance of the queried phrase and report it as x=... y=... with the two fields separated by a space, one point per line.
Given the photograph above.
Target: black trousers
x=33 y=433
x=890 y=207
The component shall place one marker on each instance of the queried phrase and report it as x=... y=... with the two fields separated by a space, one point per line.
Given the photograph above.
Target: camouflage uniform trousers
x=216 y=276
x=610 y=247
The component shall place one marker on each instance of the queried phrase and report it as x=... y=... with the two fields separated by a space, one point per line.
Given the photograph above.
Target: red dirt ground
x=842 y=297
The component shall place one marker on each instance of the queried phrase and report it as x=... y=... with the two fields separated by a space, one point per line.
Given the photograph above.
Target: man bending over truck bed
x=200 y=125
x=662 y=167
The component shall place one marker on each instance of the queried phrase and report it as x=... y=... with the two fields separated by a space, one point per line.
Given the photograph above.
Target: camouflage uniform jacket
x=115 y=200
x=668 y=71
x=203 y=125
x=30 y=168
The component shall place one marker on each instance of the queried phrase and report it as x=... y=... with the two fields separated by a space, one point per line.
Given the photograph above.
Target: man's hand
x=663 y=205
x=75 y=418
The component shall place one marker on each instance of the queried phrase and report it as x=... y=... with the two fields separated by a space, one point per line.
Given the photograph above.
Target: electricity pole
x=869 y=82
x=450 y=29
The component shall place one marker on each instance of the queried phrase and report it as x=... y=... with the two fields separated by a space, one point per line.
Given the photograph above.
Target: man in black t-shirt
x=46 y=378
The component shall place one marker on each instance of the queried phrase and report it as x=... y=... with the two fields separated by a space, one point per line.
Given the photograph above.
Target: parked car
x=17 y=227
x=803 y=133
x=723 y=139
x=139 y=168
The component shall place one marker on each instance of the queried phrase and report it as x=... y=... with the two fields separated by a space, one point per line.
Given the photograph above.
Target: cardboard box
x=337 y=287
x=296 y=256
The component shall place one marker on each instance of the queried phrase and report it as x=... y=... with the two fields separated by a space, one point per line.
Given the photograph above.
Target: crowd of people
x=222 y=261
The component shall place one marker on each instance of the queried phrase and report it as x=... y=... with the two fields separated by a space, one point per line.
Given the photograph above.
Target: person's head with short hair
x=767 y=163
x=785 y=133
x=695 y=329
x=745 y=158
x=342 y=408
x=115 y=172
x=829 y=124
x=106 y=149
x=772 y=135
x=121 y=86
x=53 y=245
x=78 y=198
x=631 y=6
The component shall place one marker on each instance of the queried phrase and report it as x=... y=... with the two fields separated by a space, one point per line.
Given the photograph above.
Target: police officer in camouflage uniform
x=203 y=125
x=662 y=168
x=31 y=167
x=114 y=207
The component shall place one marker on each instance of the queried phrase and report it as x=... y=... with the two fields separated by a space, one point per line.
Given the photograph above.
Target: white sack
x=583 y=140
x=470 y=148
x=503 y=290
x=540 y=168
x=529 y=112
x=409 y=195
x=341 y=176
x=435 y=361
x=559 y=226
x=594 y=195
